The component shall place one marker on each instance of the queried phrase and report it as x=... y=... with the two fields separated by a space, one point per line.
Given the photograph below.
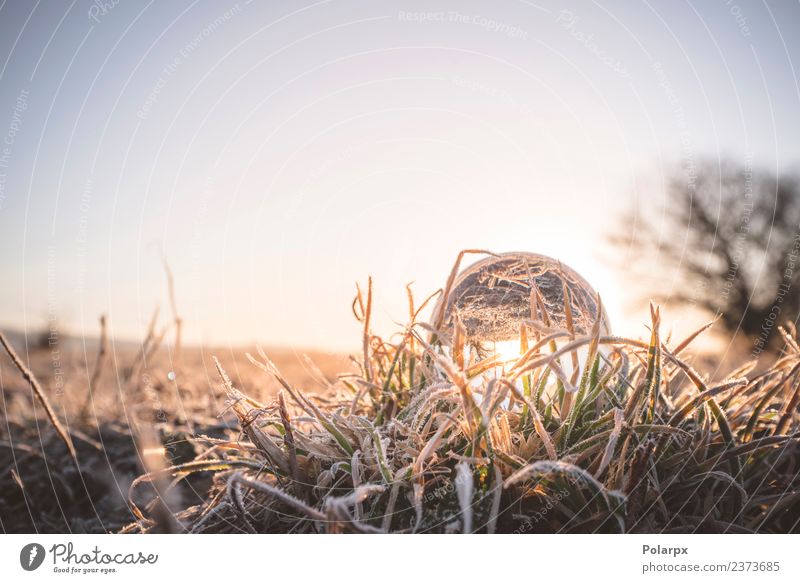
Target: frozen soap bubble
x=493 y=300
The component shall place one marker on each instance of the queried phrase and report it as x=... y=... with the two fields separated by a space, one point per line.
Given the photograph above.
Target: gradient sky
x=278 y=152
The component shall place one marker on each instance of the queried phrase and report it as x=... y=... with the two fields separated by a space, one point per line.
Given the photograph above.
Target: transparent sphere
x=493 y=299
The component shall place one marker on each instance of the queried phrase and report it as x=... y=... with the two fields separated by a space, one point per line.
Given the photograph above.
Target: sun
x=507 y=350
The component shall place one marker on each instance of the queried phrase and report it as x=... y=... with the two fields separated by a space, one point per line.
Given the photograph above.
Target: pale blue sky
x=277 y=152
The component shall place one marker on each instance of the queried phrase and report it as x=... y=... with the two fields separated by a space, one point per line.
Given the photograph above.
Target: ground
x=39 y=488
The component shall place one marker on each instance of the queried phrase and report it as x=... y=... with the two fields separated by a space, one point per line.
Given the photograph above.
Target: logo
x=31 y=556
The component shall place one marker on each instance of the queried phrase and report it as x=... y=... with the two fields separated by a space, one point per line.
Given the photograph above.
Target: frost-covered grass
x=423 y=439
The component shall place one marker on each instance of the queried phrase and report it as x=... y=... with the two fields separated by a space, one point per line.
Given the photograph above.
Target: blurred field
x=135 y=402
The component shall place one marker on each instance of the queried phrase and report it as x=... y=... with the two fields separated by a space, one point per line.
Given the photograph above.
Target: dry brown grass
x=422 y=441
x=417 y=438
x=112 y=423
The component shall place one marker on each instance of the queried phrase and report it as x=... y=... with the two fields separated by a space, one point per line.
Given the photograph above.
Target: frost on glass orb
x=493 y=299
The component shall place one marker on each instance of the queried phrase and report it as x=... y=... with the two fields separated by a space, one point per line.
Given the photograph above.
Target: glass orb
x=492 y=298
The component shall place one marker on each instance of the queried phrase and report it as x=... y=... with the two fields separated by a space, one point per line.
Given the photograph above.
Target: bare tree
x=734 y=234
